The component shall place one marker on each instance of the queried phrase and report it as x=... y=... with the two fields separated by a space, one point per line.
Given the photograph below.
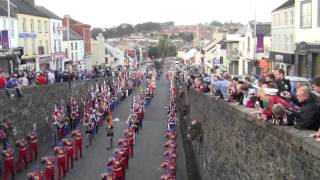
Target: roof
x=26 y=8
x=72 y=37
x=262 y=28
x=48 y=13
x=287 y=4
x=242 y=30
x=4 y=12
x=73 y=21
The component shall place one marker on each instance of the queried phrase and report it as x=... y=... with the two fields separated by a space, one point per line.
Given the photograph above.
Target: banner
x=260 y=43
x=5 y=39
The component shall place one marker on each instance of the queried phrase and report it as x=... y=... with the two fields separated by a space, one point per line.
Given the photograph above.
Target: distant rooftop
x=47 y=12
x=287 y=4
x=73 y=36
x=26 y=8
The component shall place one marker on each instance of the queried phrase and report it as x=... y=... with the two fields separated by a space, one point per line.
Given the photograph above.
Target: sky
x=109 y=13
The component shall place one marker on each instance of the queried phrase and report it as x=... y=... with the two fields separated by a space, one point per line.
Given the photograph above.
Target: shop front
x=307 y=60
x=284 y=61
x=57 y=62
x=10 y=59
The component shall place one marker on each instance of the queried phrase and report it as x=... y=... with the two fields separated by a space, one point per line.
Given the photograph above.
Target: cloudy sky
x=108 y=13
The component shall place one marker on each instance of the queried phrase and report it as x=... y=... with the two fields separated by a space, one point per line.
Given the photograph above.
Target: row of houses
x=34 y=38
x=291 y=42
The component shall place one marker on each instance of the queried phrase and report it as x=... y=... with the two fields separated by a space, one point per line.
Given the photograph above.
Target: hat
x=270 y=91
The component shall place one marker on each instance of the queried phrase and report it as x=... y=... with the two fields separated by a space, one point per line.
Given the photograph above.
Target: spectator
x=270 y=95
x=270 y=78
x=295 y=89
x=42 y=79
x=23 y=81
x=235 y=81
x=282 y=83
x=3 y=79
x=13 y=82
x=51 y=77
x=205 y=88
x=309 y=115
x=223 y=85
x=249 y=96
x=247 y=82
x=316 y=86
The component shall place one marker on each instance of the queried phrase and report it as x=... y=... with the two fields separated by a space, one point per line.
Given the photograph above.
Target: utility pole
x=9 y=24
x=68 y=40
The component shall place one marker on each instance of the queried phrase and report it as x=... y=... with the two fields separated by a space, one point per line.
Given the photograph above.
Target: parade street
x=148 y=150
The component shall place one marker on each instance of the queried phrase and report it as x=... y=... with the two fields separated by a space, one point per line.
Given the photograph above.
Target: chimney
x=31 y=2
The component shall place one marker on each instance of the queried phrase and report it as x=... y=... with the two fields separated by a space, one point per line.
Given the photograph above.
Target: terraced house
x=33 y=29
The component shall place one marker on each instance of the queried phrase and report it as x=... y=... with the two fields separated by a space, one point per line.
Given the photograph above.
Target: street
x=148 y=148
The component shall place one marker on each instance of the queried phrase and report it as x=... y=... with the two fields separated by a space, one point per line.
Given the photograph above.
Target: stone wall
x=37 y=104
x=236 y=146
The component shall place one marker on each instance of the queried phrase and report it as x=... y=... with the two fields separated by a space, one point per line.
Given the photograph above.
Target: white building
x=9 y=51
x=56 y=38
x=114 y=55
x=74 y=51
x=235 y=48
x=255 y=47
x=283 y=37
x=215 y=52
x=307 y=20
x=4 y=25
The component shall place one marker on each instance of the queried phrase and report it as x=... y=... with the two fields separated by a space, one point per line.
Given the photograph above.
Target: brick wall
x=236 y=146
x=37 y=104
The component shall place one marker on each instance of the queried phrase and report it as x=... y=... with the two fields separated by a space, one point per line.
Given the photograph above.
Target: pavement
x=148 y=150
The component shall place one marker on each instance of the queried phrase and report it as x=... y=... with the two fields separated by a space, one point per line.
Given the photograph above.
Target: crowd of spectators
x=27 y=78
x=271 y=96
x=45 y=77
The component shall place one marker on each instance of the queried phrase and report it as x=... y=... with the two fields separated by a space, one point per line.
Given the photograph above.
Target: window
x=45 y=26
x=39 y=26
x=280 y=42
x=4 y=24
x=59 y=45
x=12 y=28
x=248 y=44
x=24 y=24
x=33 y=47
x=47 y=47
x=25 y=46
x=55 y=46
x=72 y=46
x=32 y=25
x=291 y=42
x=274 y=20
x=54 y=27
x=292 y=17
x=278 y=20
x=76 y=46
x=67 y=54
x=58 y=28
x=76 y=56
x=306 y=14
x=285 y=18
x=286 y=42
x=41 y=48
x=72 y=56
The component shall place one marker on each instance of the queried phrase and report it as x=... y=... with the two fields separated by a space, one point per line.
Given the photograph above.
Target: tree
x=188 y=37
x=215 y=23
x=95 y=32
